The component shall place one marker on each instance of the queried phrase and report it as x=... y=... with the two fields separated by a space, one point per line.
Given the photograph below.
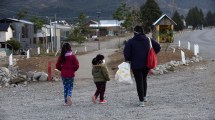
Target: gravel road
x=187 y=94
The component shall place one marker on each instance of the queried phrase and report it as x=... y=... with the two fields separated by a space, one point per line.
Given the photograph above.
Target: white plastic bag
x=123 y=74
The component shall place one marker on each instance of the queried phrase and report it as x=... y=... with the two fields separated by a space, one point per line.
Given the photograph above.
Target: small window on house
x=41 y=40
x=67 y=33
x=25 y=31
x=35 y=29
x=45 y=41
x=34 y=41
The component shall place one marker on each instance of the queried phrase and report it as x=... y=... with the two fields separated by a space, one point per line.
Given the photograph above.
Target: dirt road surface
x=187 y=94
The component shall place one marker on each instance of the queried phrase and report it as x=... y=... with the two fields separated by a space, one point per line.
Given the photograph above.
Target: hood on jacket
x=139 y=37
x=68 y=53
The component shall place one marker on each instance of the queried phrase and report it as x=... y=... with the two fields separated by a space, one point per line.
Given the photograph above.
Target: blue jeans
x=68 y=87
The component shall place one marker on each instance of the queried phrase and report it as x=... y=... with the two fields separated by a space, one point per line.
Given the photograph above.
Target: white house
x=6 y=32
x=23 y=31
x=51 y=35
x=112 y=26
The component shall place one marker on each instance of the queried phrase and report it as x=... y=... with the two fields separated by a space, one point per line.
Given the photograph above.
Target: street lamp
x=98 y=15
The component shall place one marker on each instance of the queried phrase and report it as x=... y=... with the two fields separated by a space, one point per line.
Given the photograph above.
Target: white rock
x=30 y=74
x=5 y=79
x=37 y=75
x=161 y=72
x=6 y=84
x=23 y=76
x=165 y=71
x=56 y=79
x=43 y=77
x=5 y=70
x=196 y=60
x=29 y=79
x=25 y=83
x=13 y=85
x=155 y=72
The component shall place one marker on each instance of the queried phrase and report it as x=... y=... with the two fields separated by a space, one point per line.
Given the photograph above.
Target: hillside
x=69 y=9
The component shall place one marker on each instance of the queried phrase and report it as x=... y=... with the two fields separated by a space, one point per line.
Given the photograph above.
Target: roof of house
x=4 y=26
x=58 y=26
x=106 y=23
x=16 y=20
x=164 y=15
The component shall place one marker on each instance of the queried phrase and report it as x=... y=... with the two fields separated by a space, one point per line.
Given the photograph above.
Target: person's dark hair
x=66 y=47
x=138 y=29
x=94 y=61
x=98 y=59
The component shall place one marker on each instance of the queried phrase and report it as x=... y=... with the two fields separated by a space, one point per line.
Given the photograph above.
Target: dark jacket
x=69 y=67
x=136 y=50
x=100 y=73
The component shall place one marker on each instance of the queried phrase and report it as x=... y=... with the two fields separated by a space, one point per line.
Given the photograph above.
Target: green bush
x=13 y=44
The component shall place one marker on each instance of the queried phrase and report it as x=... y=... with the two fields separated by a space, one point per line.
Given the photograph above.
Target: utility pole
x=51 y=34
x=98 y=15
x=55 y=35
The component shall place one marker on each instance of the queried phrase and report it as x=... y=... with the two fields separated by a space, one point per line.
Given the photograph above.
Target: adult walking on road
x=136 y=52
x=68 y=64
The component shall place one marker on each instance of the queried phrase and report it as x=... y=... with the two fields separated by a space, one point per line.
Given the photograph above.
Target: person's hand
x=127 y=61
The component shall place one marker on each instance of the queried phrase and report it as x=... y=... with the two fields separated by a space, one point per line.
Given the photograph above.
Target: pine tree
x=150 y=12
x=195 y=17
x=123 y=12
x=210 y=19
x=22 y=14
x=79 y=33
x=176 y=18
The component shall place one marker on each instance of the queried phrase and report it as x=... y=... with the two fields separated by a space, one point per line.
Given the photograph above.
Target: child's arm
x=105 y=73
x=58 y=64
x=75 y=63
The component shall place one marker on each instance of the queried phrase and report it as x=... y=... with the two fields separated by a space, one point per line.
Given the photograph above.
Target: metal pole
x=55 y=35
x=51 y=35
x=98 y=13
x=118 y=32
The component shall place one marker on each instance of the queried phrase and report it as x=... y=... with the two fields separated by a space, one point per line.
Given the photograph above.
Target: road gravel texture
x=186 y=94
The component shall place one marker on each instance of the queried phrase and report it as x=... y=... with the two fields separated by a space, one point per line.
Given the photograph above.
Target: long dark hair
x=66 y=47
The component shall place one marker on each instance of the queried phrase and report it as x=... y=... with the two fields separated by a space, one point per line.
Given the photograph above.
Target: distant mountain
x=70 y=9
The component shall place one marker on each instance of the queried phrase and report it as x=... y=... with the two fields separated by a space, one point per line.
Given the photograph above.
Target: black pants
x=140 y=76
x=100 y=90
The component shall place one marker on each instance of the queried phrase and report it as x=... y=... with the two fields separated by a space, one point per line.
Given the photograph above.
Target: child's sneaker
x=94 y=99
x=102 y=101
